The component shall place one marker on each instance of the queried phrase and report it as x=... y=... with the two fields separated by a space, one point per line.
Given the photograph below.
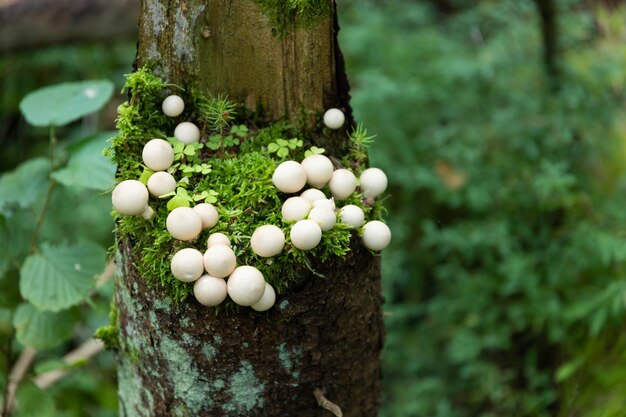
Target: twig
x=106 y=275
x=326 y=404
x=85 y=351
x=18 y=372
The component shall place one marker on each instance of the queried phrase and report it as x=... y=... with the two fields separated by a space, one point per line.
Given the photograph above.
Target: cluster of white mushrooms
x=215 y=273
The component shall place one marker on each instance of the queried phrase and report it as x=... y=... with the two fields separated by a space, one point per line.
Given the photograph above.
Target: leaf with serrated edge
x=42 y=329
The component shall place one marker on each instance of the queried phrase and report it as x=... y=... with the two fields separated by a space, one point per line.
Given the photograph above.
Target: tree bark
x=324 y=336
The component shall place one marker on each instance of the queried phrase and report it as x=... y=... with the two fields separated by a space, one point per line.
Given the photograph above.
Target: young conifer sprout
x=289 y=177
x=187 y=265
x=342 y=184
x=158 y=154
x=318 y=170
x=208 y=214
x=313 y=194
x=305 y=234
x=217 y=239
x=187 y=133
x=334 y=118
x=376 y=235
x=160 y=183
x=267 y=240
x=220 y=261
x=295 y=208
x=352 y=215
x=267 y=300
x=324 y=217
x=130 y=198
x=210 y=291
x=184 y=224
x=148 y=213
x=246 y=285
x=173 y=106
x=327 y=203
x=373 y=182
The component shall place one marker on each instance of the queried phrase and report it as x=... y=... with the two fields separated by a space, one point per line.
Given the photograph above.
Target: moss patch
x=285 y=15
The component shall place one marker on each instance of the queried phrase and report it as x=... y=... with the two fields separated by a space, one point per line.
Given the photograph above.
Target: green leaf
x=60 y=104
x=42 y=329
x=34 y=402
x=200 y=196
x=190 y=150
x=145 y=176
x=6 y=322
x=179 y=147
x=282 y=152
x=87 y=167
x=272 y=147
x=177 y=201
x=61 y=276
x=282 y=142
x=25 y=185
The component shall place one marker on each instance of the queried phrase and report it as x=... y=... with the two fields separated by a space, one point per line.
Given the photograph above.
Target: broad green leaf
x=190 y=150
x=282 y=152
x=282 y=142
x=25 y=185
x=87 y=167
x=42 y=329
x=60 y=104
x=272 y=147
x=59 y=277
x=177 y=201
x=145 y=176
x=34 y=402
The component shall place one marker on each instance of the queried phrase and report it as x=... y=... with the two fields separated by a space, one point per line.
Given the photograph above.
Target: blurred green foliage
x=505 y=283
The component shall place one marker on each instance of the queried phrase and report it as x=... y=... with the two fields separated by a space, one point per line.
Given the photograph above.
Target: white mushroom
x=324 y=217
x=318 y=170
x=267 y=240
x=325 y=203
x=158 y=154
x=267 y=300
x=219 y=261
x=295 y=208
x=173 y=106
x=160 y=183
x=289 y=177
x=376 y=235
x=217 y=239
x=373 y=182
x=183 y=223
x=334 y=118
x=313 y=194
x=246 y=285
x=187 y=265
x=208 y=214
x=130 y=198
x=352 y=215
x=305 y=234
x=210 y=291
x=187 y=133
x=342 y=184
x=148 y=213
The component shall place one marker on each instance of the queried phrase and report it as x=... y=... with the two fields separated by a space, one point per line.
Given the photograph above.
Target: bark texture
x=184 y=360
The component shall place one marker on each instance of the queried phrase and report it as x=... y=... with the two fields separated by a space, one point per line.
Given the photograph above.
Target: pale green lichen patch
x=217 y=339
x=209 y=351
x=131 y=392
x=183 y=41
x=246 y=391
x=290 y=360
x=283 y=304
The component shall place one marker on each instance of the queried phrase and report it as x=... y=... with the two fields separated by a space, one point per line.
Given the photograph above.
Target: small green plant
x=314 y=150
x=282 y=147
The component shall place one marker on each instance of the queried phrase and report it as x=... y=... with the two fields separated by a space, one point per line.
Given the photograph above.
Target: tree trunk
x=324 y=336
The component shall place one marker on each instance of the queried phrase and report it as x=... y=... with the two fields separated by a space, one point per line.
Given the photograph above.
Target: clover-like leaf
x=177 y=201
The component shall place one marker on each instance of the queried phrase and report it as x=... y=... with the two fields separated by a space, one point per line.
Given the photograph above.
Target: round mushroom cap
x=246 y=285
x=208 y=214
x=342 y=184
x=187 y=264
x=376 y=235
x=373 y=182
x=217 y=239
x=319 y=170
x=210 y=291
x=183 y=223
x=161 y=183
x=313 y=194
x=173 y=106
x=158 y=154
x=187 y=133
x=295 y=208
x=130 y=198
x=324 y=217
x=267 y=300
x=220 y=261
x=334 y=118
x=305 y=234
x=267 y=240
x=289 y=177
x=352 y=215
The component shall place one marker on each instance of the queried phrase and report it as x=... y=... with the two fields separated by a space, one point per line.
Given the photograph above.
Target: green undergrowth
x=283 y=14
x=230 y=168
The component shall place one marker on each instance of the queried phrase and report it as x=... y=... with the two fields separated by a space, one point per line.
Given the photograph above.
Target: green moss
x=110 y=333
x=285 y=15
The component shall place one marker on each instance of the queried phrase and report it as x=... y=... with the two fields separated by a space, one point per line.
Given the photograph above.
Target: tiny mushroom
x=342 y=184
x=187 y=264
x=352 y=215
x=289 y=177
x=313 y=194
x=376 y=235
x=130 y=198
x=160 y=183
x=327 y=203
x=373 y=182
x=295 y=208
x=187 y=133
x=210 y=291
x=267 y=300
x=246 y=285
x=305 y=234
x=148 y=213
x=220 y=261
x=158 y=154
x=318 y=169
x=173 y=106
x=208 y=214
x=183 y=223
x=334 y=118
x=217 y=239
x=267 y=240
x=326 y=218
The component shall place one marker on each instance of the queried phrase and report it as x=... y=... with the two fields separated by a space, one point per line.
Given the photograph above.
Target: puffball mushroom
x=267 y=300
x=373 y=182
x=219 y=261
x=376 y=235
x=334 y=118
x=148 y=213
x=183 y=223
x=305 y=234
x=217 y=239
x=342 y=184
x=313 y=194
x=289 y=177
x=158 y=154
x=295 y=208
x=318 y=170
x=352 y=215
x=324 y=217
x=187 y=265
x=173 y=106
x=187 y=133
x=160 y=183
x=208 y=214
x=267 y=240
x=130 y=198
x=210 y=291
x=325 y=203
x=246 y=285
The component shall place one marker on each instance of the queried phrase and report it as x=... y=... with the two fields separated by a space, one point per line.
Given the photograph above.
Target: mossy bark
x=183 y=359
